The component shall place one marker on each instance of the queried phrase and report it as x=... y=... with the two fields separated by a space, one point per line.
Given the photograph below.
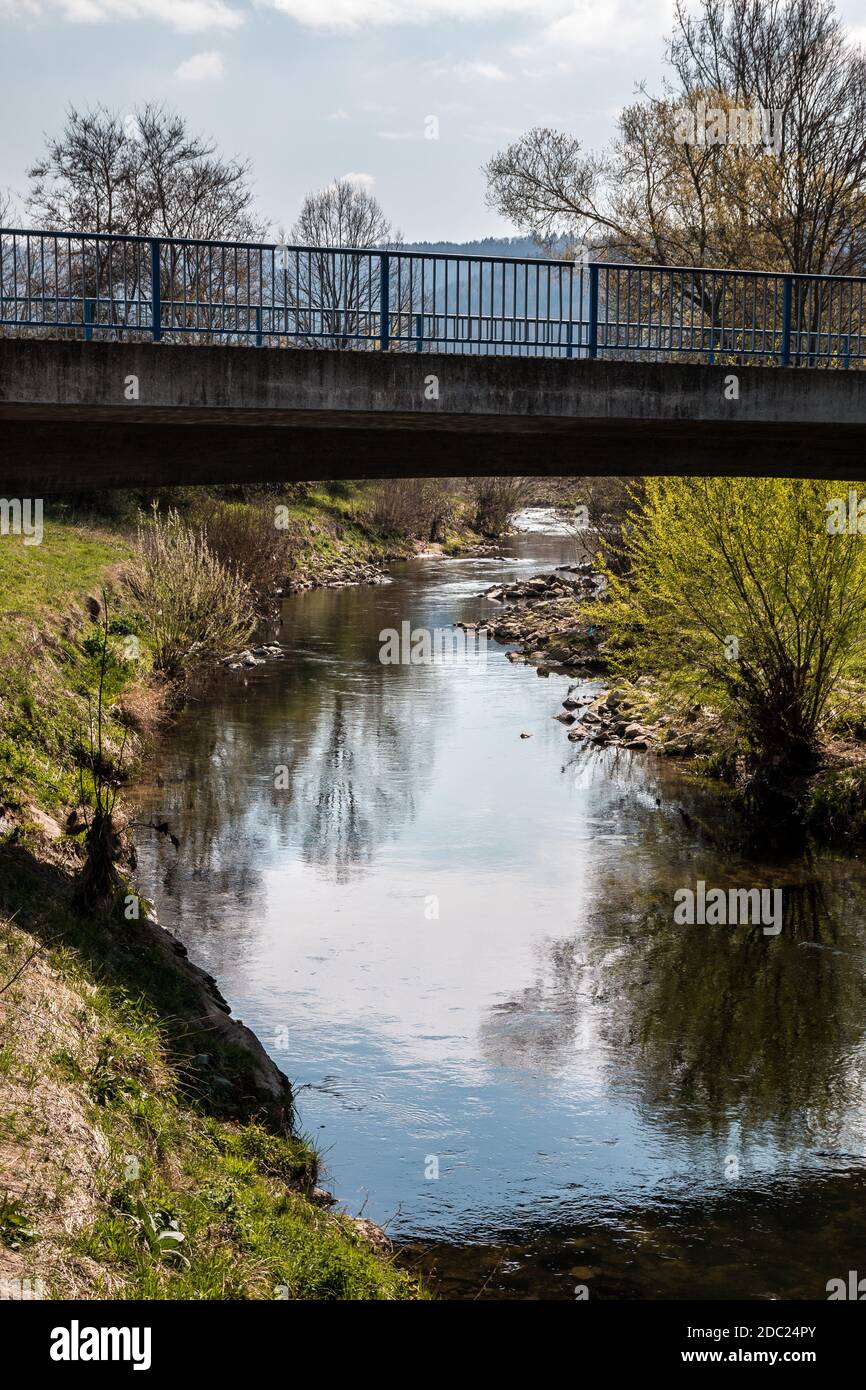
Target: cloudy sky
x=313 y=89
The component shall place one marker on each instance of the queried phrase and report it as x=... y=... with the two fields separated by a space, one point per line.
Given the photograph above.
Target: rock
x=47 y=824
x=634 y=731
x=322 y=1198
x=372 y=1233
x=518 y=658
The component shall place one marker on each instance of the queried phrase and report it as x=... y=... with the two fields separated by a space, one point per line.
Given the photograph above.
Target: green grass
x=39 y=581
x=50 y=660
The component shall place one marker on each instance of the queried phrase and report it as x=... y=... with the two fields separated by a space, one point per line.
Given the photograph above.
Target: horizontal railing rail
x=130 y=288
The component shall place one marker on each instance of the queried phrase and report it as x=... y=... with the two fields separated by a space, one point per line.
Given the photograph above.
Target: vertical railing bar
x=155 y=291
x=384 y=307
x=593 y=309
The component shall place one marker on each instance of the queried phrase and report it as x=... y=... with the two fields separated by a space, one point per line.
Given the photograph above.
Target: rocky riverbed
x=627 y=718
x=545 y=615
x=339 y=574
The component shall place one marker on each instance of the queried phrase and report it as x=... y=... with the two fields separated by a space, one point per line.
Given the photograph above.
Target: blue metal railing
x=89 y=285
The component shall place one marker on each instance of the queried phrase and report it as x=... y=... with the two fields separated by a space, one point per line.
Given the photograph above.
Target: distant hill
x=521 y=246
x=481 y=300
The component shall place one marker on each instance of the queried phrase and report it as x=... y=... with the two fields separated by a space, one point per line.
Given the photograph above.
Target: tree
x=654 y=196
x=494 y=502
x=343 y=214
x=741 y=592
x=335 y=297
x=794 y=56
x=147 y=175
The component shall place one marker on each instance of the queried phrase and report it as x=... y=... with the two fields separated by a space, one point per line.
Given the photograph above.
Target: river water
x=459 y=944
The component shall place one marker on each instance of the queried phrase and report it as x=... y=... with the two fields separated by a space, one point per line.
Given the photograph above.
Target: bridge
x=135 y=361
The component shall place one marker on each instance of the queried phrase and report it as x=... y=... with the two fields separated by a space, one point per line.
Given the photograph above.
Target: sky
x=310 y=90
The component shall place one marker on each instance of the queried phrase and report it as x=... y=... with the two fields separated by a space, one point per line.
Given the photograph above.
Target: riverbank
x=465 y=942
x=147 y=1141
x=553 y=619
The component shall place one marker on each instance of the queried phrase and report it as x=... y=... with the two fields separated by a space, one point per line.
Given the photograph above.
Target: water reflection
x=469 y=939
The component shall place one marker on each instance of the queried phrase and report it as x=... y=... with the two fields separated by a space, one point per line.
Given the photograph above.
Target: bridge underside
x=206 y=415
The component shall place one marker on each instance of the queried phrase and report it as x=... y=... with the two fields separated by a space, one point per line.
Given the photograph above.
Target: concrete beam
x=237 y=414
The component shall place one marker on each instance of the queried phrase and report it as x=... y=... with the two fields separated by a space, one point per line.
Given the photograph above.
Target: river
x=459 y=944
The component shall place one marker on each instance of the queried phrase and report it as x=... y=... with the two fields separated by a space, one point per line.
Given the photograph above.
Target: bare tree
x=808 y=202
x=343 y=214
x=334 y=292
x=653 y=196
x=494 y=503
x=145 y=175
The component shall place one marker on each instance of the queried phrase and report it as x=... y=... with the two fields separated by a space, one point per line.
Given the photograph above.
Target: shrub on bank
x=737 y=592
x=194 y=607
x=245 y=538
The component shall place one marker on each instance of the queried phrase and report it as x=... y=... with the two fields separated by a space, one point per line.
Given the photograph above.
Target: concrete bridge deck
x=107 y=414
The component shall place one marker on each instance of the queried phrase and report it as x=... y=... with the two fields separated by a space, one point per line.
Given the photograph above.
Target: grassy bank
x=147 y=1144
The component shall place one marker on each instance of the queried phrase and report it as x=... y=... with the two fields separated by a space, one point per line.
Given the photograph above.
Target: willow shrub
x=193 y=608
x=736 y=591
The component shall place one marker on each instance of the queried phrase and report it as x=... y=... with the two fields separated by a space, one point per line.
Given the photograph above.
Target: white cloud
x=551 y=70
x=365 y=181
x=577 y=24
x=339 y=115
x=186 y=16
x=471 y=71
x=589 y=25
x=201 y=67
x=352 y=15
x=610 y=25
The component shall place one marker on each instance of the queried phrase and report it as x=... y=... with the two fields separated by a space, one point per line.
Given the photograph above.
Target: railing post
x=419 y=332
x=787 y=289
x=155 y=289
x=258 y=325
x=569 y=352
x=384 y=302
x=88 y=320
x=593 y=309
